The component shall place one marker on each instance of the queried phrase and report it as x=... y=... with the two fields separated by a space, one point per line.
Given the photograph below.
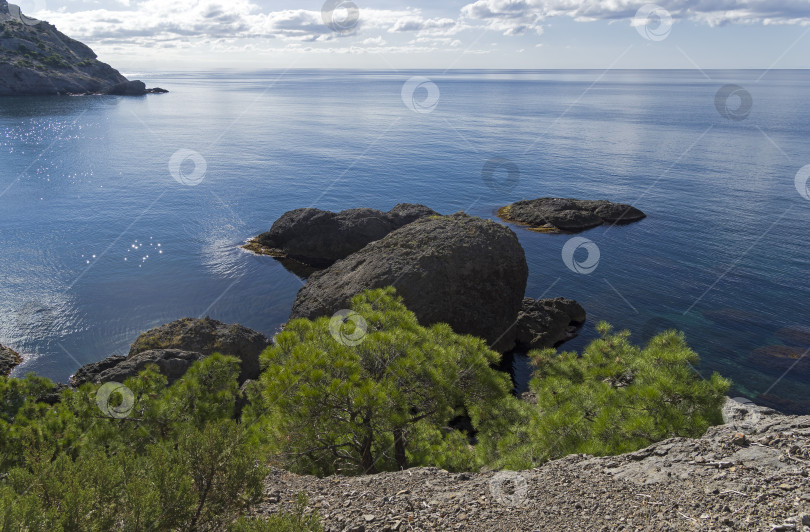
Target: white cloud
x=519 y=16
x=416 y=23
x=374 y=41
x=163 y=21
x=186 y=23
x=511 y=17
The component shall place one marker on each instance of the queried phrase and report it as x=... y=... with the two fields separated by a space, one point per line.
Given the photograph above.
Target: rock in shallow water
x=568 y=215
x=9 y=359
x=127 y=88
x=207 y=336
x=548 y=322
x=468 y=272
x=174 y=347
x=173 y=363
x=319 y=238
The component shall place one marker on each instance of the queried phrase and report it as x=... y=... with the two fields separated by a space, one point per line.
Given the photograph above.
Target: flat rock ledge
x=9 y=359
x=750 y=474
x=564 y=215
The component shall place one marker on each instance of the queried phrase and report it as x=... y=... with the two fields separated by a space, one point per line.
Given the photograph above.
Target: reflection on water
x=84 y=179
x=22 y=107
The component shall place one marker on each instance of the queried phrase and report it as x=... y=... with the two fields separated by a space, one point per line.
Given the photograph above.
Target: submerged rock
x=36 y=58
x=568 y=215
x=781 y=358
x=798 y=335
x=319 y=238
x=468 y=272
x=9 y=359
x=548 y=322
x=173 y=363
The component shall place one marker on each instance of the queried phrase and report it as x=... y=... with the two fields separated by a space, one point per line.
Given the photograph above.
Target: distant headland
x=37 y=59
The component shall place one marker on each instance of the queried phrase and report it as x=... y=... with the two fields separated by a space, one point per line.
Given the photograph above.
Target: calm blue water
x=87 y=195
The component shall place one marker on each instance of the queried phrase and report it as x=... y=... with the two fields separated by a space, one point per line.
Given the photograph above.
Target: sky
x=429 y=34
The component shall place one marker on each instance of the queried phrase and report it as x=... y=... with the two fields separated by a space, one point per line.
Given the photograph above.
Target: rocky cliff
x=36 y=58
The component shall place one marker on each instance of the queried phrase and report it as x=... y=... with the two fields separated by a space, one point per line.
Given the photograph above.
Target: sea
x=120 y=214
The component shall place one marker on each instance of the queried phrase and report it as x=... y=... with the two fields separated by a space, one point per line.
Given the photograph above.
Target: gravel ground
x=750 y=474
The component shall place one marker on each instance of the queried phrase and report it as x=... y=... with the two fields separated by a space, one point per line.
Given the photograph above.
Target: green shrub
x=614 y=398
x=54 y=60
x=177 y=461
x=384 y=404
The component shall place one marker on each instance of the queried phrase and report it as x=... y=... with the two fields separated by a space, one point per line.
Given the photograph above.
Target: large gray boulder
x=568 y=215
x=548 y=322
x=173 y=363
x=9 y=359
x=319 y=238
x=468 y=272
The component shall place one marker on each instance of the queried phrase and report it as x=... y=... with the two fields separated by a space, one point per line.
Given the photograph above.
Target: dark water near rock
x=98 y=242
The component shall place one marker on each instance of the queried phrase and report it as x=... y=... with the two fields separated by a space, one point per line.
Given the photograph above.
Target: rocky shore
x=750 y=474
x=38 y=59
